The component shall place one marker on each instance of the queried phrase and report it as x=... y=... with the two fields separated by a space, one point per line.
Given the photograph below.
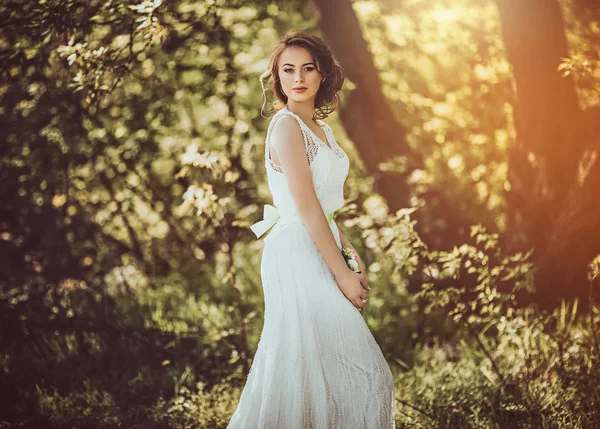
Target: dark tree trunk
x=366 y=114
x=552 y=204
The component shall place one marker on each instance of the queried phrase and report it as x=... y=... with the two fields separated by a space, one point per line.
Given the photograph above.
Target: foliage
x=502 y=365
x=107 y=264
x=582 y=19
x=440 y=62
x=508 y=366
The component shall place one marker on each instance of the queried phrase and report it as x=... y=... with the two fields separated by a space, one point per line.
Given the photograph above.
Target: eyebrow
x=305 y=64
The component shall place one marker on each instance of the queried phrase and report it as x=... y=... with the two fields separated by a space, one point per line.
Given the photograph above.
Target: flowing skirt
x=317 y=365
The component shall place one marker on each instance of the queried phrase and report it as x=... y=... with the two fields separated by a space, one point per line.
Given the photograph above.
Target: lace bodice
x=329 y=167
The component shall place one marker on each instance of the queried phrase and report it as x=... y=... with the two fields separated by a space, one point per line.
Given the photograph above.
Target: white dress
x=317 y=365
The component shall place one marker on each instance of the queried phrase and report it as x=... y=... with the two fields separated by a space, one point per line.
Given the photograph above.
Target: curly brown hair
x=327 y=98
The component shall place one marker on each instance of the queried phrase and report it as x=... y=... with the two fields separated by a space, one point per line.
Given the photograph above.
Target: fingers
x=352 y=301
x=358 y=303
x=361 y=279
x=364 y=282
x=364 y=293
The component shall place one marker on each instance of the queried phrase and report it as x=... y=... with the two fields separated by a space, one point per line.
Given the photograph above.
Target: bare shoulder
x=286 y=132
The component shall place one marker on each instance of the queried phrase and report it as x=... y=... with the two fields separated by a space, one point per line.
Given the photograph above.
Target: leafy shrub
x=504 y=366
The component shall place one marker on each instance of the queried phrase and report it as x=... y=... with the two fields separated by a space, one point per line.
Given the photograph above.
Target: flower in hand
x=352 y=259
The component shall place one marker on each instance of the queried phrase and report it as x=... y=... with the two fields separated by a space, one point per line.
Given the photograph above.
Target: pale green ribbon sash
x=271 y=216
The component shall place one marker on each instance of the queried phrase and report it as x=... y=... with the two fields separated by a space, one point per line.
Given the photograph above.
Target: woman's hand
x=355 y=287
x=362 y=267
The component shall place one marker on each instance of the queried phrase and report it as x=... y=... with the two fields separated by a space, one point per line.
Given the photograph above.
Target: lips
x=299 y=89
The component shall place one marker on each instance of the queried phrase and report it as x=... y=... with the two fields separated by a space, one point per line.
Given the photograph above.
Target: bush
x=504 y=366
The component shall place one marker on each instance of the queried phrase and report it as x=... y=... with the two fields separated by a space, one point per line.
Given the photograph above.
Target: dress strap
x=310 y=133
x=311 y=146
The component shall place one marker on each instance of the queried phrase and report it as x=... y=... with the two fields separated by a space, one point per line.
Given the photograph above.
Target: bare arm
x=345 y=242
x=286 y=139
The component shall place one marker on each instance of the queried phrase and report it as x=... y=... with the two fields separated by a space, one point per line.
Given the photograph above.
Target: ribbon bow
x=270 y=217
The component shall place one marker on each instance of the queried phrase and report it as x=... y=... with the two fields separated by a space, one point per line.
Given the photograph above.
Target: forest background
x=131 y=167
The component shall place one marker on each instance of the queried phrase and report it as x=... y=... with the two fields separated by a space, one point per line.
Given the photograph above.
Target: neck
x=304 y=110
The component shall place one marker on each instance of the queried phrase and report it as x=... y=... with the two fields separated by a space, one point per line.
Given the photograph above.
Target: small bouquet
x=351 y=258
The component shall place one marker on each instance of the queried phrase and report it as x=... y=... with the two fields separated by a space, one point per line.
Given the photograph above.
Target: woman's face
x=297 y=70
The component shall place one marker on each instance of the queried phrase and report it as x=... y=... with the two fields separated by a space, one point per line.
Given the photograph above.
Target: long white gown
x=317 y=365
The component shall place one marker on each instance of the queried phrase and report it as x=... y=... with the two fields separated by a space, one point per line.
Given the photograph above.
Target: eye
x=306 y=68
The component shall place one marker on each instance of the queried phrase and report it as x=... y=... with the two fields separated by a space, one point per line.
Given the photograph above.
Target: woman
x=317 y=364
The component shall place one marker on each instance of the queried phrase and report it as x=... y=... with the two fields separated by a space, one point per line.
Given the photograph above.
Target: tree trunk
x=551 y=203
x=366 y=114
